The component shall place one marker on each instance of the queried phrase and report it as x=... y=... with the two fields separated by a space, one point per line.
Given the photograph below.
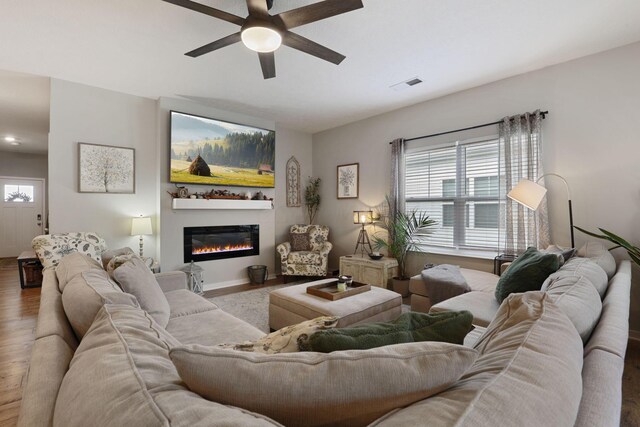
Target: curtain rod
x=542 y=113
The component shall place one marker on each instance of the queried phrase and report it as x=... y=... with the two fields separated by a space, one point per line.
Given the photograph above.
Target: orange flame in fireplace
x=216 y=249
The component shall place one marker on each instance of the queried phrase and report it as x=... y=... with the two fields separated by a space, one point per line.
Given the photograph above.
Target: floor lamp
x=363 y=218
x=530 y=194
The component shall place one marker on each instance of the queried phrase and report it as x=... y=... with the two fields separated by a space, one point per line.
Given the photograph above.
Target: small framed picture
x=348 y=181
x=106 y=169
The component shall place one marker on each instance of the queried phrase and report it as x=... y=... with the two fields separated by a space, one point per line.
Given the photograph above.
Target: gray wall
x=82 y=113
x=590 y=138
x=290 y=143
x=24 y=165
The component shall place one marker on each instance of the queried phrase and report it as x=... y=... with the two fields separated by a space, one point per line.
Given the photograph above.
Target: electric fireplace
x=220 y=242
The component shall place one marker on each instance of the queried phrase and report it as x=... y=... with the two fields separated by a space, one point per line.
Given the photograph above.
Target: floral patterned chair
x=307 y=253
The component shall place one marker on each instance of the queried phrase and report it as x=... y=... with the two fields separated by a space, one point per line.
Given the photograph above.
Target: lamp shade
x=141 y=226
x=528 y=193
x=362 y=217
x=261 y=39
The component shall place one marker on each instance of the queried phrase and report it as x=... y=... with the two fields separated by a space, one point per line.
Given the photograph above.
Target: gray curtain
x=396 y=199
x=521 y=146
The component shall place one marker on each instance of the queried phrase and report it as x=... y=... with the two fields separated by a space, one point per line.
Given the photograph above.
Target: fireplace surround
x=220 y=242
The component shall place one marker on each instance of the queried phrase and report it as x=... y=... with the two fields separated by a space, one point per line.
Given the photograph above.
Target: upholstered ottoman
x=291 y=305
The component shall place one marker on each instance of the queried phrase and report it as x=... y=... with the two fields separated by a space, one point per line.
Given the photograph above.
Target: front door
x=21 y=214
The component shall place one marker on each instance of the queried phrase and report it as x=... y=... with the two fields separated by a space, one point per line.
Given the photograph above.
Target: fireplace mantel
x=221 y=204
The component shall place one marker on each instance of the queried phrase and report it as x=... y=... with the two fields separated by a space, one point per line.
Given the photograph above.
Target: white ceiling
x=138 y=47
x=24 y=112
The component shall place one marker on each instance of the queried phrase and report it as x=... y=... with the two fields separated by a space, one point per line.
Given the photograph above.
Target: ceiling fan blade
x=225 y=41
x=268 y=64
x=216 y=13
x=257 y=8
x=316 y=12
x=305 y=45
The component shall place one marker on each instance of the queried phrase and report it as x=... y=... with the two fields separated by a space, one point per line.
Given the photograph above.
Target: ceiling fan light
x=261 y=39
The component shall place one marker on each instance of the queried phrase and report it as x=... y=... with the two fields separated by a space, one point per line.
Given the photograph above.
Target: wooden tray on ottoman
x=330 y=290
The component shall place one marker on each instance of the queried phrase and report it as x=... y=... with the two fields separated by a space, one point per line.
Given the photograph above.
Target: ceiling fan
x=265 y=33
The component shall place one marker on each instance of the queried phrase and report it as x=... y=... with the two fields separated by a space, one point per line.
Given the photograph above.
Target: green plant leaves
x=404 y=230
x=632 y=251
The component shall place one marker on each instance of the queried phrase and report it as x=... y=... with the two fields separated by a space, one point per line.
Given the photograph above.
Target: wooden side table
x=27 y=257
x=499 y=260
x=369 y=271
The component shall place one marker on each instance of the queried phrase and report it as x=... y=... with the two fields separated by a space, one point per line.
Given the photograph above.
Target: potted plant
x=403 y=231
x=633 y=251
x=312 y=198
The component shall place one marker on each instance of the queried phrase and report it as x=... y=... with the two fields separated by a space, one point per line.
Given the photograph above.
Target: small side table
x=24 y=257
x=501 y=259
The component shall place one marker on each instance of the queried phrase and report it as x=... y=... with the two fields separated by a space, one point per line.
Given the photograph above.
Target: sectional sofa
x=528 y=367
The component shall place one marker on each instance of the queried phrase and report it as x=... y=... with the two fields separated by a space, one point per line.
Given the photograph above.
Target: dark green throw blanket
x=449 y=326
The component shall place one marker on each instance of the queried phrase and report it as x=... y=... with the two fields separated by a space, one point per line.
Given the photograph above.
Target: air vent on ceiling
x=406 y=84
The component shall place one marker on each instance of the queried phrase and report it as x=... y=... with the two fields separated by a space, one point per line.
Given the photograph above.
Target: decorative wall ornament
x=348 y=181
x=106 y=169
x=293 y=182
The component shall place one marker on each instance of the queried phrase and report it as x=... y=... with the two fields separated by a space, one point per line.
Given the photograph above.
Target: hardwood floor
x=18 y=314
x=19 y=311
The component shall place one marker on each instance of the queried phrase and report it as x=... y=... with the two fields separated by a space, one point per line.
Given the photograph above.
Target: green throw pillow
x=451 y=326
x=526 y=273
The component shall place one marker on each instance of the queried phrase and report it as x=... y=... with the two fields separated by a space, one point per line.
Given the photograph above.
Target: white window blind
x=460 y=186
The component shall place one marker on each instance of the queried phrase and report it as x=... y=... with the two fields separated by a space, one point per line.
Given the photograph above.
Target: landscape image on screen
x=213 y=152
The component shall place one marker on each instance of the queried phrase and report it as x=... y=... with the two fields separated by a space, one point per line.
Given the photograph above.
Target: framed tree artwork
x=106 y=169
x=348 y=181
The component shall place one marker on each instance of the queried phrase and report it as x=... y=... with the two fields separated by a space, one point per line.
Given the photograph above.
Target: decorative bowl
x=376 y=257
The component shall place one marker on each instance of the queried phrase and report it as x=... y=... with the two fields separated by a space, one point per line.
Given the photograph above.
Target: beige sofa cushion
x=582 y=267
x=482 y=305
x=121 y=375
x=528 y=373
x=112 y=253
x=52 y=320
x=136 y=279
x=85 y=295
x=579 y=300
x=183 y=302
x=343 y=388
x=73 y=264
x=211 y=327
x=597 y=253
x=50 y=357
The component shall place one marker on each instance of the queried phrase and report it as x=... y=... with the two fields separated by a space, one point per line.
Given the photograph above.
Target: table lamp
x=530 y=195
x=141 y=226
x=363 y=218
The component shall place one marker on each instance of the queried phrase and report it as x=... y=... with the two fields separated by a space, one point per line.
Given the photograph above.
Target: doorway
x=22 y=216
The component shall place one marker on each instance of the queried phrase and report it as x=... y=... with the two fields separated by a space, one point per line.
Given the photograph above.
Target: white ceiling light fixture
x=15 y=143
x=10 y=138
x=261 y=39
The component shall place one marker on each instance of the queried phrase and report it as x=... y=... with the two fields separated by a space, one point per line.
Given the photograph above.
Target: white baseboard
x=229 y=283
x=634 y=335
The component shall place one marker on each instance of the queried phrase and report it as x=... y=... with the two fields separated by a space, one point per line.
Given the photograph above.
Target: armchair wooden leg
x=285 y=278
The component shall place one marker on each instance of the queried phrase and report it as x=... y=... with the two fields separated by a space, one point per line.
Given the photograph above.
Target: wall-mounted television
x=215 y=152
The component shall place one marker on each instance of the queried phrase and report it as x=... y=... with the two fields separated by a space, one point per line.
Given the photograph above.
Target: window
x=459 y=186
x=18 y=193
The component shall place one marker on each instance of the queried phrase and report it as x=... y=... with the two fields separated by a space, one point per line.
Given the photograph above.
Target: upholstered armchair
x=307 y=252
